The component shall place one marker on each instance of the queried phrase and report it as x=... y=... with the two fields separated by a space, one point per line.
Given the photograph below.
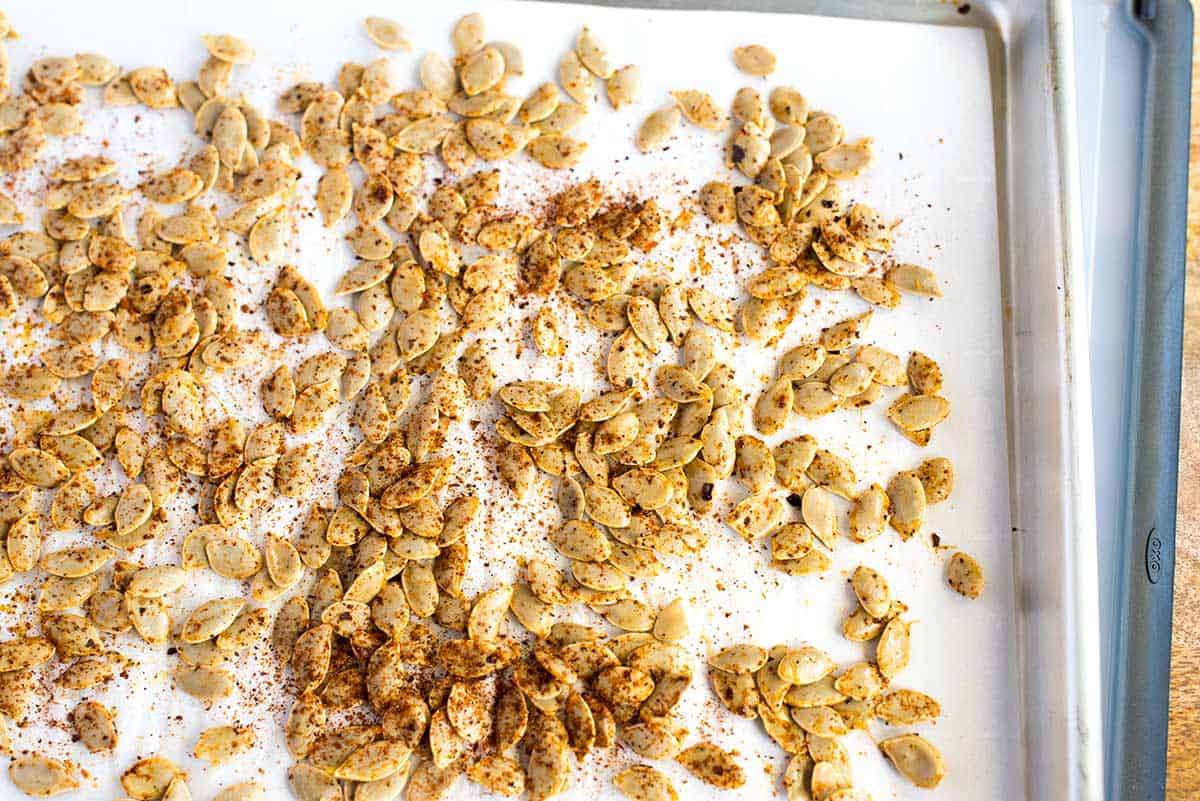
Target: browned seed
x=40 y=776
x=149 y=778
x=644 y=783
x=915 y=758
x=754 y=60
x=713 y=765
x=93 y=723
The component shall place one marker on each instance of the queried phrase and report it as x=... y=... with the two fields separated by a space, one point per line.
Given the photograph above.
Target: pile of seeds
x=804 y=707
x=375 y=618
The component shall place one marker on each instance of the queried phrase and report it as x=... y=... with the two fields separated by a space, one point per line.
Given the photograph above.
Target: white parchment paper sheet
x=921 y=92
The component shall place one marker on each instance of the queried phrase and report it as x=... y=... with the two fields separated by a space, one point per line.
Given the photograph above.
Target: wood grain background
x=1183 y=750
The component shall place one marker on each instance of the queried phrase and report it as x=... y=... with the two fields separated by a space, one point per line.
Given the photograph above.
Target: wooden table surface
x=1183 y=752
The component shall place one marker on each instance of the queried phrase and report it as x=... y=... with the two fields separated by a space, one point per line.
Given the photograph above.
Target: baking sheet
x=931 y=116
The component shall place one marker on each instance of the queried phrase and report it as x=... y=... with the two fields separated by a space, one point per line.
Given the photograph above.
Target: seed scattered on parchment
x=387 y=33
x=754 y=60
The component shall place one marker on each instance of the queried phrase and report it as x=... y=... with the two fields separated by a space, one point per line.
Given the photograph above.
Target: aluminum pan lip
x=1031 y=57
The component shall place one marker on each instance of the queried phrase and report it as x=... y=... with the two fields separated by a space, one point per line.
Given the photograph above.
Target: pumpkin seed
x=268 y=236
x=599 y=577
x=736 y=692
x=134 y=507
x=650 y=740
x=242 y=791
x=657 y=128
x=149 y=618
x=965 y=575
x=713 y=765
x=671 y=624
x=575 y=78
x=915 y=758
x=872 y=592
x=870 y=514
x=913 y=413
x=40 y=776
x=24 y=543
x=773 y=407
x=563 y=118
x=540 y=104
x=94 y=726
x=387 y=33
x=232 y=557
x=805 y=665
x=754 y=60
x=221 y=744
x=819 y=720
x=149 y=778
x=845 y=161
x=229 y=48
x=373 y=761
x=739 y=659
x=210 y=619
x=914 y=280
x=334 y=195
x=643 y=487
x=907 y=496
x=75 y=562
x=31 y=382
x=37 y=467
x=58 y=594
x=557 y=151
x=644 y=783
x=498 y=774
x=937 y=479
x=312 y=784
x=72 y=635
x=629 y=615
x=155 y=582
x=576 y=539
x=481 y=70
x=699 y=109
x=892 y=650
x=247 y=628
x=24 y=652
x=860 y=681
x=755 y=516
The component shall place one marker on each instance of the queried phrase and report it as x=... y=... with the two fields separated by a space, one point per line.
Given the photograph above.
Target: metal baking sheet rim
x=1031 y=55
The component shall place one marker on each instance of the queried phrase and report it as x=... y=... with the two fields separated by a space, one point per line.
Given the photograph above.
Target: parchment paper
x=921 y=92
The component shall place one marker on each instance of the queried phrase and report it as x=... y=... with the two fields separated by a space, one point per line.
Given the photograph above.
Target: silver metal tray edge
x=1051 y=428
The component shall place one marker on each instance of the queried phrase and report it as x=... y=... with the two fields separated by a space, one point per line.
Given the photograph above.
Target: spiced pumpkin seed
x=754 y=60
x=915 y=758
x=387 y=33
x=965 y=575
x=40 y=776
x=657 y=128
x=907 y=496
